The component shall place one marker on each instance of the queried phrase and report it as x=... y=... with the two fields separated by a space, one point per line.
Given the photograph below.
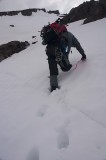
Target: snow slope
x=69 y=123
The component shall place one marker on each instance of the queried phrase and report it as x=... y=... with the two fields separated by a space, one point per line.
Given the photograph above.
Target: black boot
x=65 y=64
x=83 y=57
x=53 y=82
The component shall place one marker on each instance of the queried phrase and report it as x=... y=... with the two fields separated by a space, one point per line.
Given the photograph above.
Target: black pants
x=77 y=45
x=54 y=54
x=64 y=64
x=52 y=59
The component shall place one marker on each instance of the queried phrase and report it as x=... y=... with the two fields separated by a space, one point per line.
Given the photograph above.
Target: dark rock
x=92 y=19
x=8 y=49
x=3 y=13
x=33 y=36
x=34 y=42
x=90 y=11
x=102 y=1
x=12 y=13
x=55 y=12
x=11 y=25
x=9 y=13
x=99 y=12
x=26 y=12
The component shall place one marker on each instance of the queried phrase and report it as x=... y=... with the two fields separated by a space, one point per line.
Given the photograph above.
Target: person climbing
x=57 y=51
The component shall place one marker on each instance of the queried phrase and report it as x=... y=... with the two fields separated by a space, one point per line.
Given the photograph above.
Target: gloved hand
x=83 y=57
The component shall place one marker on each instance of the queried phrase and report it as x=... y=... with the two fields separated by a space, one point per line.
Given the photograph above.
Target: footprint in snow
x=33 y=154
x=62 y=139
x=42 y=110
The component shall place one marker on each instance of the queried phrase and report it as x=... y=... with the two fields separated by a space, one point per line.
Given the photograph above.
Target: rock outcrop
x=10 y=48
x=27 y=12
x=90 y=11
x=55 y=12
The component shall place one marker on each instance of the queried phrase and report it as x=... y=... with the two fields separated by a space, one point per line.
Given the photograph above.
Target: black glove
x=83 y=57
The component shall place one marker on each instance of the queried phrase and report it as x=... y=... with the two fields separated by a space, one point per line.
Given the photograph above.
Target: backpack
x=52 y=32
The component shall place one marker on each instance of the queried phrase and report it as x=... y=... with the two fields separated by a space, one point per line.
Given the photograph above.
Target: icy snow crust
x=68 y=124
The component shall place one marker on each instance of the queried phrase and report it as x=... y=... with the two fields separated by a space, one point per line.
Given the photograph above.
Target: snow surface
x=68 y=124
